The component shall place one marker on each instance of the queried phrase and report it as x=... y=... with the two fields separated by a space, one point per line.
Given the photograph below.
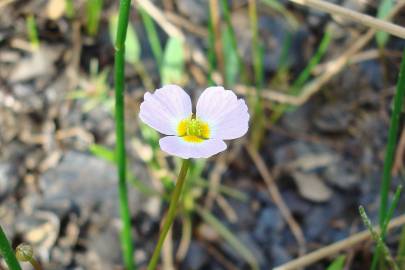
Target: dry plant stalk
x=334 y=248
x=374 y=23
x=277 y=198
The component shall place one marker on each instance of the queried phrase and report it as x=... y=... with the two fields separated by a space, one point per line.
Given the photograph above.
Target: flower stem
x=171 y=213
x=126 y=238
x=7 y=252
x=35 y=264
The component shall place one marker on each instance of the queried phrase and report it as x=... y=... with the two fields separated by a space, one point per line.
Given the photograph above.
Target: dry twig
x=334 y=248
x=276 y=196
x=220 y=167
x=374 y=23
x=160 y=18
x=186 y=24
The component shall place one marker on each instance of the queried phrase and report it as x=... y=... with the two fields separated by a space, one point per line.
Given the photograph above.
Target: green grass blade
x=69 y=9
x=173 y=62
x=230 y=32
x=383 y=11
x=392 y=141
x=102 y=152
x=283 y=64
x=338 y=263
x=153 y=37
x=304 y=75
x=258 y=70
x=391 y=210
x=230 y=58
x=212 y=59
x=7 y=252
x=280 y=8
x=257 y=46
x=32 y=31
x=93 y=13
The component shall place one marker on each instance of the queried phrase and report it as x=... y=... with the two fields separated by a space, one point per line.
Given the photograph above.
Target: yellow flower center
x=193 y=130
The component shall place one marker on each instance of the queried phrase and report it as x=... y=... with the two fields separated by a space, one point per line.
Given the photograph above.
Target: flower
x=219 y=116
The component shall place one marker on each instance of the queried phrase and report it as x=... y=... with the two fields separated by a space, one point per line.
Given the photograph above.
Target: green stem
x=7 y=252
x=212 y=61
x=392 y=140
x=153 y=36
x=378 y=239
x=35 y=264
x=126 y=238
x=171 y=213
x=93 y=12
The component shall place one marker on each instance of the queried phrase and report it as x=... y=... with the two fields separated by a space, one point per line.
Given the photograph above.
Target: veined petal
x=165 y=108
x=227 y=115
x=176 y=146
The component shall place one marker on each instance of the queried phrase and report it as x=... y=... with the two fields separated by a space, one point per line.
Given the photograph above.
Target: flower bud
x=24 y=252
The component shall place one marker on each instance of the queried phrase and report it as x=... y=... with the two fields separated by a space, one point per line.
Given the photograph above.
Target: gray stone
x=83 y=182
x=269 y=222
x=196 y=10
x=196 y=257
x=40 y=229
x=40 y=63
x=8 y=179
x=106 y=245
x=279 y=255
x=333 y=118
x=339 y=175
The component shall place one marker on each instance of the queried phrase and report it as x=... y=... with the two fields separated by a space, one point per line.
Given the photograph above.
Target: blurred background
x=319 y=90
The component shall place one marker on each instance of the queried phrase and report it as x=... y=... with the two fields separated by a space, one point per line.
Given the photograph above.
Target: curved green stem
x=126 y=238
x=171 y=214
x=7 y=252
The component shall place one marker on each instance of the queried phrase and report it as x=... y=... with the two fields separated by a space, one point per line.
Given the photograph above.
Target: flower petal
x=176 y=146
x=163 y=109
x=227 y=115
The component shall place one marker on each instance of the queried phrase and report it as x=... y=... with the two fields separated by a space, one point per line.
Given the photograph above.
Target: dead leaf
x=311 y=187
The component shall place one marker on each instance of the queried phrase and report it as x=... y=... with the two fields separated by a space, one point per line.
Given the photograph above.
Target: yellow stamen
x=193 y=130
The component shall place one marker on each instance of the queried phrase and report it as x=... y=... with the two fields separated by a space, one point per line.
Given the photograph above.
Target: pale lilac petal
x=176 y=146
x=163 y=109
x=227 y=115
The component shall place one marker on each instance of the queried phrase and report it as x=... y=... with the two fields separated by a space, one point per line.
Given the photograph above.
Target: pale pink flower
x=219 y=116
